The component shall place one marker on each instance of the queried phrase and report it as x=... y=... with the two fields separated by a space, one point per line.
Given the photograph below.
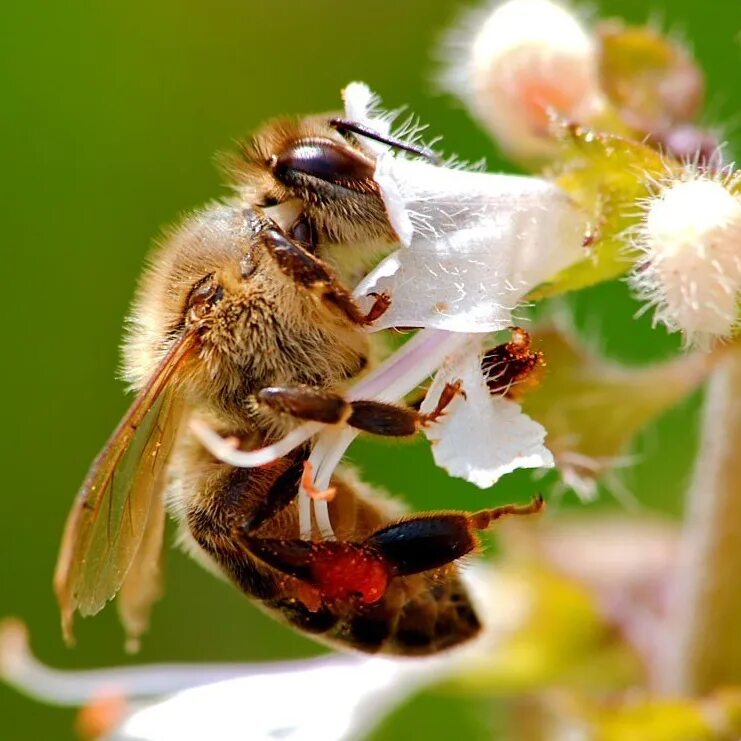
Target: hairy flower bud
x=524 y=60
x=689 y=266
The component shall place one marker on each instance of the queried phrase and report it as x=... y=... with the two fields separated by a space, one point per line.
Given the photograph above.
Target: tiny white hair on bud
x=517 y=62
x=689 y=255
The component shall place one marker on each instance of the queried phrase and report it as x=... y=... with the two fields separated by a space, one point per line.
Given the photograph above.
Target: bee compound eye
x=326 y=160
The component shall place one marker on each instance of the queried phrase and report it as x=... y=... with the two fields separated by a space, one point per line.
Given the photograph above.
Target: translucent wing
x=143 y=583
x=120 y=497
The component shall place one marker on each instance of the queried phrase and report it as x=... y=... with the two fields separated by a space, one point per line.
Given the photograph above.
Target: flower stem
x=703 y=650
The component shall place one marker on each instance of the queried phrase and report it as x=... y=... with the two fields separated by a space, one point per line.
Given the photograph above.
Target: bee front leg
x=311 y=273
x=377 y=417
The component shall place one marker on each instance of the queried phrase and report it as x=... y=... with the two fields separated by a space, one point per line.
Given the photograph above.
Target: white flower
x=689 y=268
x=473 y=246
x=363 y=106
x=519 y=60
x=328 y=698
x=481 y=437
x=332 y=698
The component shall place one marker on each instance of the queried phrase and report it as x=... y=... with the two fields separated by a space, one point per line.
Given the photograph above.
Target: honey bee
x=241 y=324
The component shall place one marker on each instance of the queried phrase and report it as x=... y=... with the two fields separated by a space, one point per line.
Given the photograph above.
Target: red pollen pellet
x=341 y=574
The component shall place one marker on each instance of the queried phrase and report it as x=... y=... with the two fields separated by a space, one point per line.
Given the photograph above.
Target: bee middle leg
x=239 y=498
x=225 y=517
x=377 y=417
x=310 y=272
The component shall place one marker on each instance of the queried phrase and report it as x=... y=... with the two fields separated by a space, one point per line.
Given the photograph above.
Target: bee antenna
x=343 y=124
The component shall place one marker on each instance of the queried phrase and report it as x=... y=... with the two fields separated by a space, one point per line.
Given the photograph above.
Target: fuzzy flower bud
x=689 y=266
x=523 y=61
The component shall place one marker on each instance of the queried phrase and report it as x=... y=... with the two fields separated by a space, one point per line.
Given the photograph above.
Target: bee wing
x=119 y=503
x=143 y=583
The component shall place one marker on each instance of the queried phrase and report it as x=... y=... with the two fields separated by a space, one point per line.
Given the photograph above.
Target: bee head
x=319 y=181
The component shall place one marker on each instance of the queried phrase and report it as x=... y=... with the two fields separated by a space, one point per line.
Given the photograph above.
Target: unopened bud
x=689 y=266
x=520 y=64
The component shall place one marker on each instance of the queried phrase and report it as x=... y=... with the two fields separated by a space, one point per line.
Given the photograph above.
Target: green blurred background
x=112 y=113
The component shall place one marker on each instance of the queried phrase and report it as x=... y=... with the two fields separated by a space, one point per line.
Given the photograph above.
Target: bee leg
x=317 y=405
x=306 y=402
x=381 y=304
x=242 y=498
x=394 y=420
x=337 y=570
x=376 y=417
x=313 y=274
x=426 y=542
x=342 y=570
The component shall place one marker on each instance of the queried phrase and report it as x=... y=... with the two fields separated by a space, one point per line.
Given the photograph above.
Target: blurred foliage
x=112 y=113
x=607 y=176
x=579 y=390
x=651 y=79
x=717 y=718
x=563 y=641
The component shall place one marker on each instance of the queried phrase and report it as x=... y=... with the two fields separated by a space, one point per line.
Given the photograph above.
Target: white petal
x=481 y=437
x=362 y=105
x=328 y=698
x=477 y=244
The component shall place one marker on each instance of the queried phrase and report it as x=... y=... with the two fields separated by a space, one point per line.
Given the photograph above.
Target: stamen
x=98 y=718
x=328 y=452
x=304 y=512
x=307 y=482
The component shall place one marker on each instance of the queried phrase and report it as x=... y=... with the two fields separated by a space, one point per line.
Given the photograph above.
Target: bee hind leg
x=339 y=571
x=425 y=542
x=342 y=570
x=375 y=417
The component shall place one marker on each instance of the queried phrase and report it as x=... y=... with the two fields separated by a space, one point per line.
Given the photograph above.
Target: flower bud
x=526 y=60
x=689 y=265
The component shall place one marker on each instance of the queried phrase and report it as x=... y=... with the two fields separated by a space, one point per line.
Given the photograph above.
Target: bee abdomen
x=436 y=617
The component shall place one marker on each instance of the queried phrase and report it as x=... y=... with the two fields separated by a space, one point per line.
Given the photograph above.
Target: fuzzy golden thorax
x=254 y=326
x=309 y=161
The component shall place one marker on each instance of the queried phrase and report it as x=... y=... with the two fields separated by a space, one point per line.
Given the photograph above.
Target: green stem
x=704 y=644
